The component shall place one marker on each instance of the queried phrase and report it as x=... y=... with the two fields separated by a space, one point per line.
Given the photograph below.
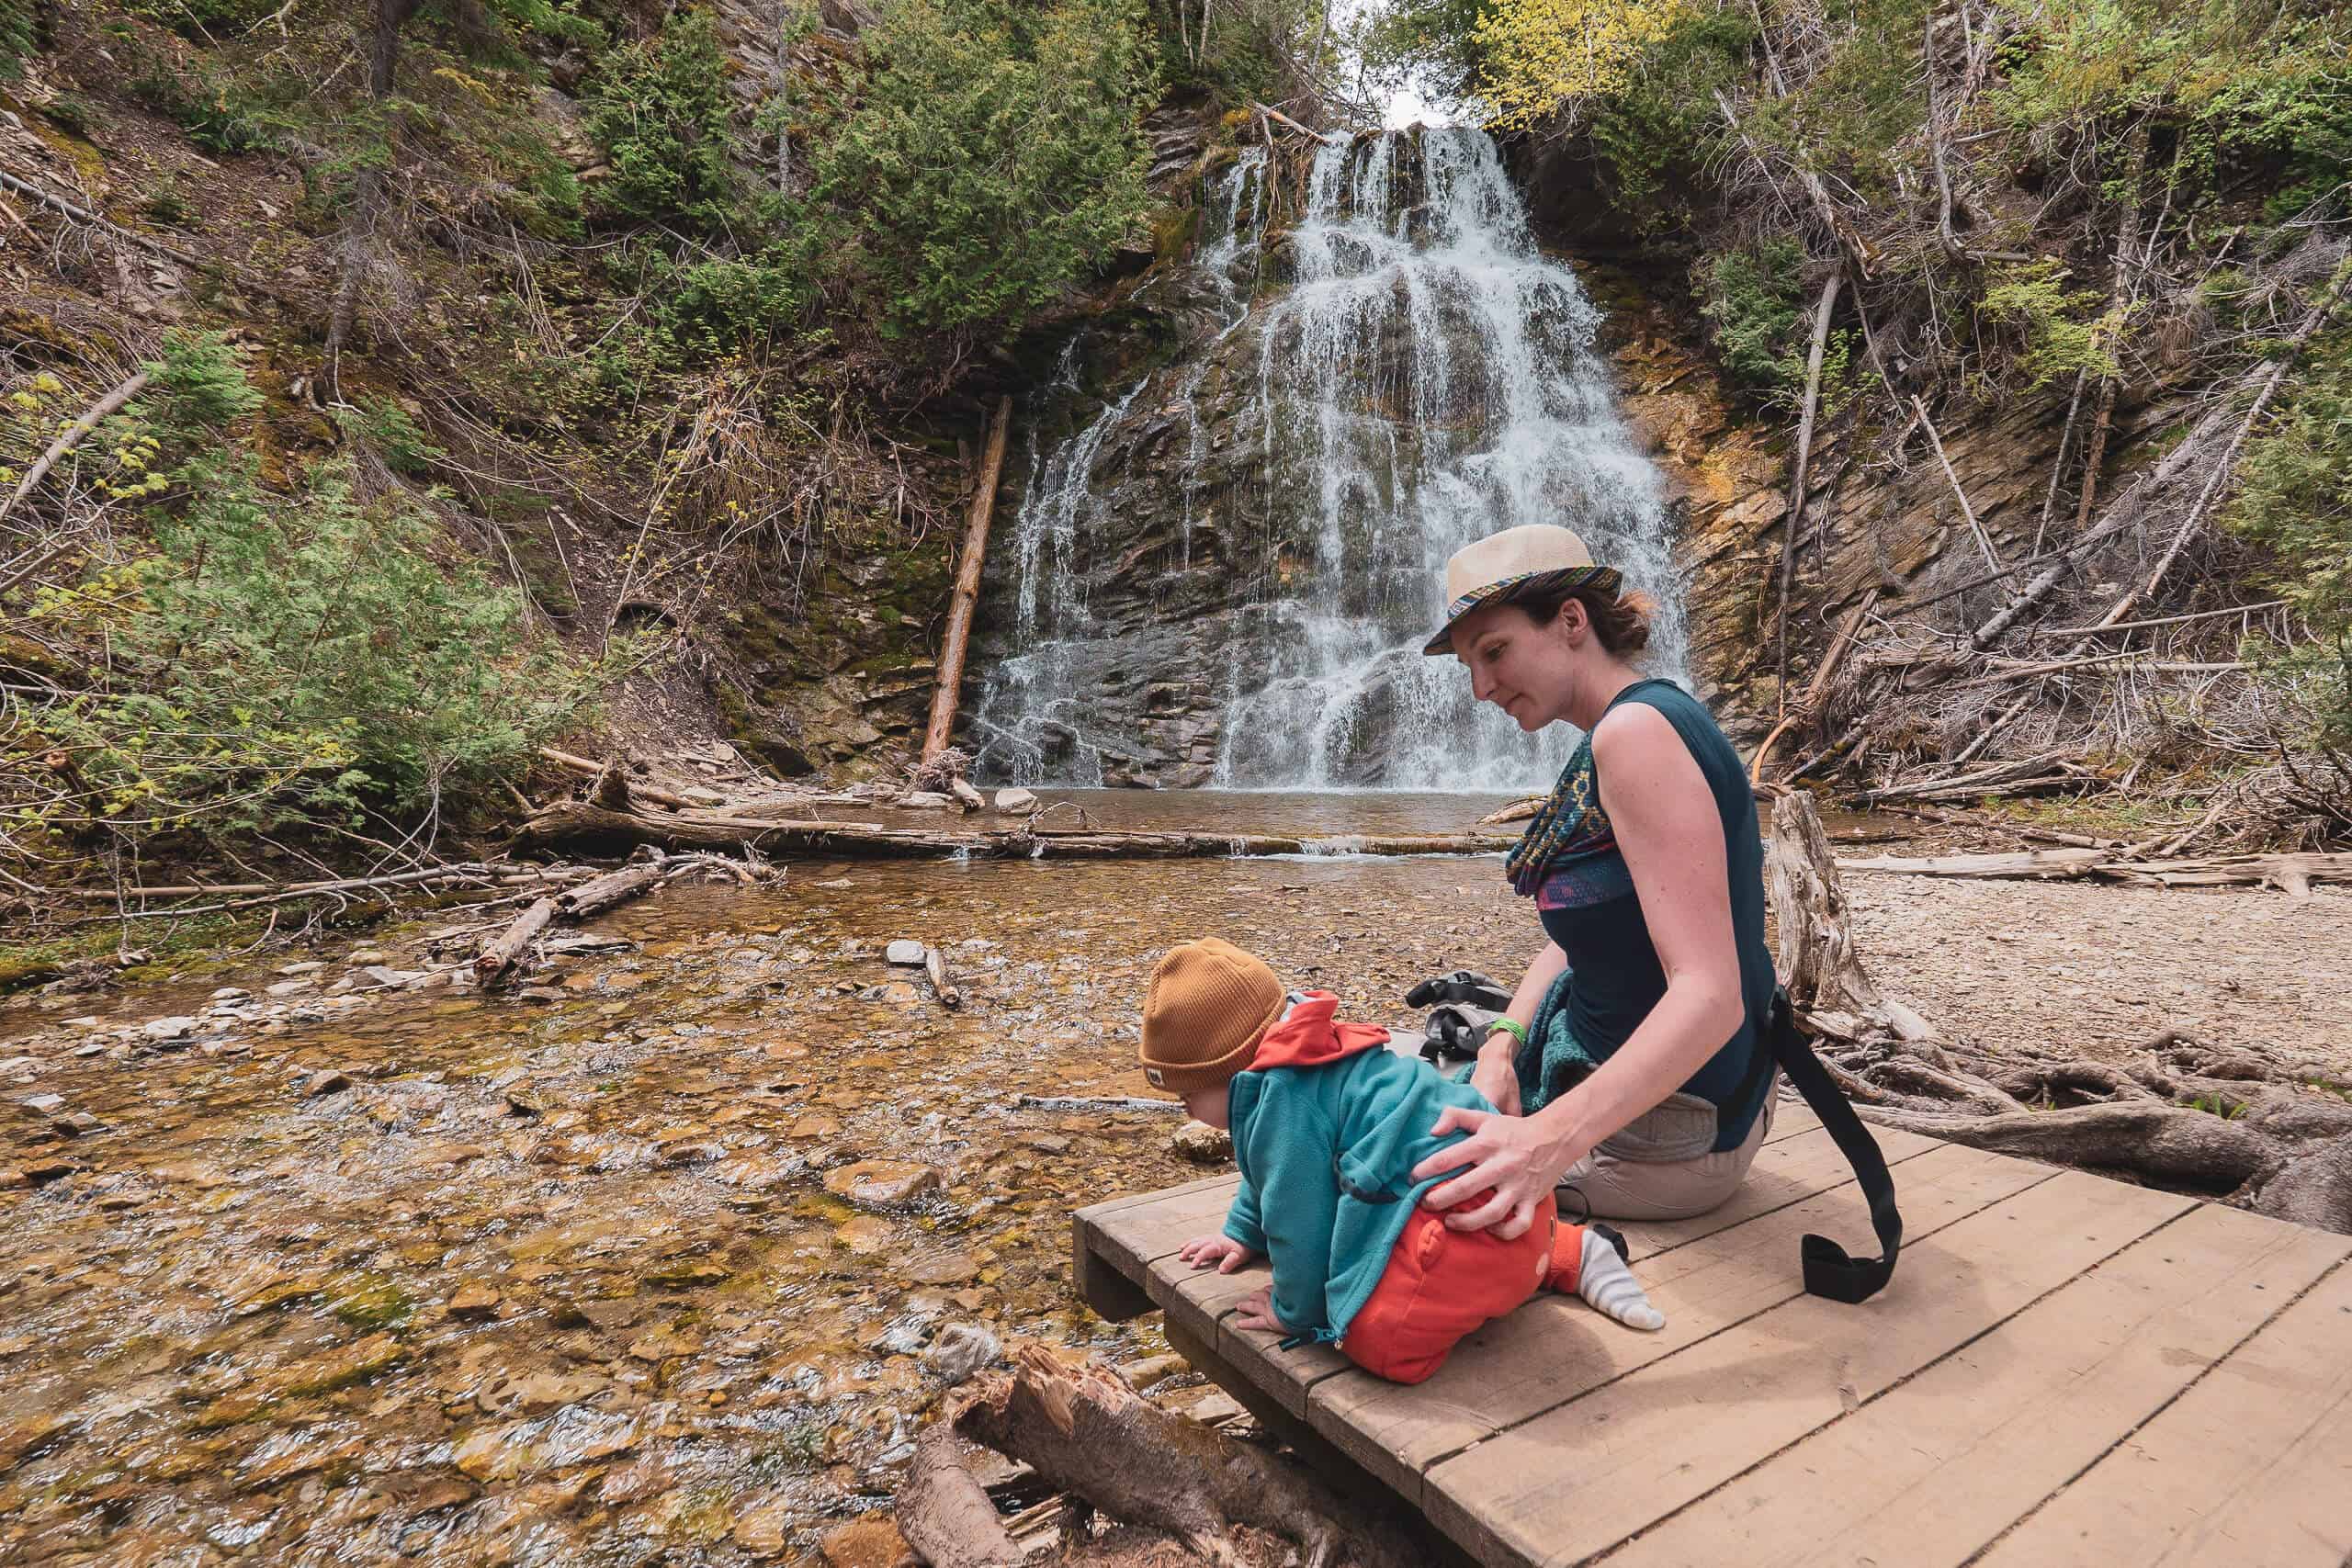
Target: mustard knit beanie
x=1209 y=1005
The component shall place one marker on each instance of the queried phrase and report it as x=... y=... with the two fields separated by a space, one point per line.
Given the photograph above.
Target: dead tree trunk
x=1795 y=513
x=967 y=590
x=1086 y=1433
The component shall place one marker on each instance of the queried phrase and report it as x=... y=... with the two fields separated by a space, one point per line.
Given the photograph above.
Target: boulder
x=1015 y=800
x=905 y=952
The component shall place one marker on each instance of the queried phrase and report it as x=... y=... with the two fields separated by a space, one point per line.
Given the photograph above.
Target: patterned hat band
x=1527 y=584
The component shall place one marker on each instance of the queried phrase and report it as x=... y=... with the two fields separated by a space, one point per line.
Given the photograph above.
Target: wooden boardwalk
x=2065 y=1371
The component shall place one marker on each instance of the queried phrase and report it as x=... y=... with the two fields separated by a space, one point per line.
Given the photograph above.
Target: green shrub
x=19 y=37
x=386 y=426
x=1755 y=299
x=991 y=159
x=203 y=386
x=2063 y=331
x=1663 y=122
x=204 y=21
x=306 y=659
x=2294 y=502
x=659 y=110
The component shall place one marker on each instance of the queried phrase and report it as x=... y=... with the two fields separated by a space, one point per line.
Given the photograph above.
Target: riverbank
x=603 y=1264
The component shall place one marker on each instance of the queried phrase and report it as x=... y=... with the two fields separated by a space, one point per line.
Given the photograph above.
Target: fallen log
x=612 y=889
x=577 y=822
x=2295 y=875
x=501 y=952
x=597 y=771
x=71 y=437
x=1085 y=1432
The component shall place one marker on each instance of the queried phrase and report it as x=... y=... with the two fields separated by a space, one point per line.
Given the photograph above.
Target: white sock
x=1603 y=1280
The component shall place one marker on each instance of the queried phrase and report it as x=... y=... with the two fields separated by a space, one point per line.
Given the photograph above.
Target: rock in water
x=960 y=1351
x=1015 y=800
x=1202 y=1144
x=969 y=798
x=881 y=1183
x=905 y=952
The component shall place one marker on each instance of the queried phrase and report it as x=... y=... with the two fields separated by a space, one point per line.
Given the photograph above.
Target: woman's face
x=1528 y=672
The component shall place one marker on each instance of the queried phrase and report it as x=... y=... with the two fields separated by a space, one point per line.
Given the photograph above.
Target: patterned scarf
x=1570 y=827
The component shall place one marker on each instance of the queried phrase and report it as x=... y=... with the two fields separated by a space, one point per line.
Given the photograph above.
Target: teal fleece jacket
x=1328 y=1125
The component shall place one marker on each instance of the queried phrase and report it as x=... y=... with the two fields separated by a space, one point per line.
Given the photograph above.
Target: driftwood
x=502 y=953
x=946 y=693
x=2174 y=1111
x=1519 y=810
x=2293 y=873
x=934 y=965
x=259 y=894
x=1086 y=1433
x=600 y=772
x=577 y=822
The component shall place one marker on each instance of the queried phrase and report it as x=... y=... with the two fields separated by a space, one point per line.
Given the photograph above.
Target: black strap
x=1828 y=1272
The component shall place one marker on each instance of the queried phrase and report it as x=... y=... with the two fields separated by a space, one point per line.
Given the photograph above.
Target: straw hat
x=1533 y=559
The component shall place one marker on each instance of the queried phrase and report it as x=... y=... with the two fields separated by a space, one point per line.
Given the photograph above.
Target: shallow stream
x=558 y=1277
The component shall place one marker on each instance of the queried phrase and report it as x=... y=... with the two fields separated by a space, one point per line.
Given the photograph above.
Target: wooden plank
x=1785 y=1173
x=1129 y=1239
x=1161 y=1194
x=1790 y=1117
x=1107 y=1292
x=1587 y=1475
x=1935 y=1468
x=2252 y=1465
x=1552 y=1350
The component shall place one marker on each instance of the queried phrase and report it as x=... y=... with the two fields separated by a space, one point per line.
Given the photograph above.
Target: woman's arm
x=1672 y=838
x=1496 y=1076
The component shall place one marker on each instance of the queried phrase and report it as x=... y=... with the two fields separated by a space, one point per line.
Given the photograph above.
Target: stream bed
x=558 y=1274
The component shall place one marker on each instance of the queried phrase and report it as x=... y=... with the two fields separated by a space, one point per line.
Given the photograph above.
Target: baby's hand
x=1256 y=1310
x=1223 y=1251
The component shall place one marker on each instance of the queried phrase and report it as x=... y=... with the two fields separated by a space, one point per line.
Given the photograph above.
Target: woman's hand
x=1516 y=1157
x=1496 y=1073
x=1222 y=1252
x=1256 y=1310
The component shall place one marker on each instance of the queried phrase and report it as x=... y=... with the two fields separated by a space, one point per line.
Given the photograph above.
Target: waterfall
x=1226 y=577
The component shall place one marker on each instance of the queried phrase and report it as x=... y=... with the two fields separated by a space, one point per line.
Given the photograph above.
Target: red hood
x=1308 y=1038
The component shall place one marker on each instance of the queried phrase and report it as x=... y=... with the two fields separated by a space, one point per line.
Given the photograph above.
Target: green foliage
x=2064 y=331
x=219 y=114
x=2294 y=501
x=386 y=427
x=19 y=37
x=1662 y=122
x=2251 y=92
x=659 y=110
x=283 y=658
x=1755 y=299
x=306 y=659
x=203 y=21
x=993 y=156
x=1853 y=115
x=203 y=386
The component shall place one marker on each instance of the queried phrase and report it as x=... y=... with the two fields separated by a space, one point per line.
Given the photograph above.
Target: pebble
x=361 y=958
x=905 y=952
x=307 y=966
x=43 y=1104
x=474 y=1300
x=231 y=994
x=329 y=1082
x=172 y=1028
x=290 y=988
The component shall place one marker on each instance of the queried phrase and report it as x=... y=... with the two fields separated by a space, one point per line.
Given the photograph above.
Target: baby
x=1327 y=1126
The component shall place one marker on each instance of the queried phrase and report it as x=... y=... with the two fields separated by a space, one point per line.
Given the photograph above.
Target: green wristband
x=1516 y=1028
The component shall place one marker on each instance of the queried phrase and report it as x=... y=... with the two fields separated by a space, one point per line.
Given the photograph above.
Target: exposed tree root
x=1190 y=1493
x=2274 y=1138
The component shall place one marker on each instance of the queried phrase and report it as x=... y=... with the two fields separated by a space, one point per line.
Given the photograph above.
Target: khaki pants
x=1617 y=1187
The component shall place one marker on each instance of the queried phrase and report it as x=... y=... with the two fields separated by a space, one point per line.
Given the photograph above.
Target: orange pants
x=1441 y=1284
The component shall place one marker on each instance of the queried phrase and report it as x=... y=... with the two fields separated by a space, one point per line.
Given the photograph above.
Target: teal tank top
x=1585 y=897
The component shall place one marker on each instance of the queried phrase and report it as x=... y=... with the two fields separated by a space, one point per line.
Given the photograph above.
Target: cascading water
x=1227 y=575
